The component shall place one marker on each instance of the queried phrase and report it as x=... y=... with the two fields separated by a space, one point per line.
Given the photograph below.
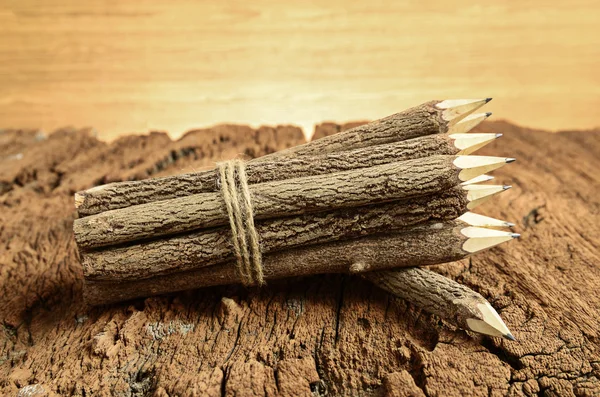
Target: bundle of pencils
x=394 y=193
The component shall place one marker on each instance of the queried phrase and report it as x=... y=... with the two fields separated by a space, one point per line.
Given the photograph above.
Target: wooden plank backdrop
x=131 y=66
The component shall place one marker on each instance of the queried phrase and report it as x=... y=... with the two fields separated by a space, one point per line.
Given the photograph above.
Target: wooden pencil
x=432 y=117
x=444 y=297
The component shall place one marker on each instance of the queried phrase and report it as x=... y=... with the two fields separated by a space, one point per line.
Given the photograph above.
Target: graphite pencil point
x=490 y=323
x=509 y=336
x=510 y=160
x=487 y=100
x=510 y=224
x=479 y=238
x=498 y=135
x=454 y=110
x=506 y=187
x=467 y=124
x=488 y=114
x=473 y=166
x=515 y=235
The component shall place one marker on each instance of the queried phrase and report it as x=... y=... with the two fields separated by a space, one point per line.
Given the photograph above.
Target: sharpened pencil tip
x=488 y=114
x=469 y=143
x=473 y=166
x=510 y=160
x=455 y=110
x=489 y=322
x=509 y=336
x=498 y=135
x=515 y=235
x=487 y=100
x=481 y=221
x=506 y=187
x=467 y=123
x=509 y=224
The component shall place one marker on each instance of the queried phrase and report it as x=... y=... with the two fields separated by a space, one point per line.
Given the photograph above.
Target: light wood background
x=130 y=66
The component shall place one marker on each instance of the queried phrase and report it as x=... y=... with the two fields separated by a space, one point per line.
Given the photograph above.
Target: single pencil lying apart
x=443 y=297
x=390 y=194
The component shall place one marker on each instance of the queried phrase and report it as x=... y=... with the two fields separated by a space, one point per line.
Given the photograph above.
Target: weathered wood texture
x=208 y=247
x=386 y=182
x=334 y=333
x=262 y=169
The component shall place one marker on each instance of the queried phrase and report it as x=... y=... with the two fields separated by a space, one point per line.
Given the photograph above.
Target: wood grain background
x=125 y=66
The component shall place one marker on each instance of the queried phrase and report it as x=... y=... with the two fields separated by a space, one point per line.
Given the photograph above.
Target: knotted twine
x=244 y=237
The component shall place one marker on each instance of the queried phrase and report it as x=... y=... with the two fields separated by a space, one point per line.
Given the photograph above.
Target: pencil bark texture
x=418 y=121
x=334 y=335
x=208 y=247
x=422 y=245
x=270 y=200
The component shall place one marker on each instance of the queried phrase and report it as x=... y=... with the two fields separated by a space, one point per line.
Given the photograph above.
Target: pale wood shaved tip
x=490 y=323
x=454 y=103
x=469 y=143
x=478 y=179
x=478 y=194
x=482 y=232
x=473 y=166
x=467 y=123
x=483 y=187
x=454 y=110
x=79 y=199
x=476 y=244
x=473 y=219
x=99 y=187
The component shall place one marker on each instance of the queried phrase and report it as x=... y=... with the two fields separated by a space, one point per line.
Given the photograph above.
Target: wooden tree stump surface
x=322 y=335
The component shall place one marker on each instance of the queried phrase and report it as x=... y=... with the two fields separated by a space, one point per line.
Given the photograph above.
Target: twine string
x=244 y=237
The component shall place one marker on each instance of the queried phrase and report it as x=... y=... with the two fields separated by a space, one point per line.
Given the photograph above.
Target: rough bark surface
x=329 y=334
x=114 y=196
x=424 y=119
x=209 y=247
x=386 y=182
x=423 y=245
